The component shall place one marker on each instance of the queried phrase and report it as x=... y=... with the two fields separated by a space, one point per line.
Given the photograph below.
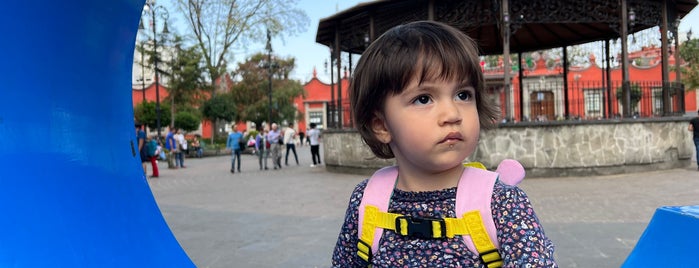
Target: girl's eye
x=422 y=99
x=464 y=95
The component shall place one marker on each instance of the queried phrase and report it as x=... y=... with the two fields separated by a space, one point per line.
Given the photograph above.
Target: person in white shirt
x=181 y=148
x=314 y=136
x=290 y=141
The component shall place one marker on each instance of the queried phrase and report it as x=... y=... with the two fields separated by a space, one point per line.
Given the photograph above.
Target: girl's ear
x=378 y=126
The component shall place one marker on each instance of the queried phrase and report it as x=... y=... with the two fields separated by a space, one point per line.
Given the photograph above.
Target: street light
x=676 y=35
x=143 y=76
x=269 y=73
x=164 y=14
x=142 y=28
x=689 y=34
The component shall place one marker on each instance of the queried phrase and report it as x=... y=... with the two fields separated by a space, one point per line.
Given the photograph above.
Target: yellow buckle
x=364 y=251
x=491 y=258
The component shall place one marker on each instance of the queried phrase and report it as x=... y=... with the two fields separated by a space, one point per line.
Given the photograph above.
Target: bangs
x=442 y=64
x=432 y=56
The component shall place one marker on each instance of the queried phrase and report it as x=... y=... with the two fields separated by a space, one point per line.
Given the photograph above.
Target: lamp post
x=269 y=74
x=689 y=34
x=156 y=11
x=143 y=76
x=676 y=33
x=141 y=28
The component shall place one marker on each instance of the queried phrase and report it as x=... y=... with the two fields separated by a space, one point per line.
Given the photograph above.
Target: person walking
x=152 y=148
x=302 y=137
x=141 y=137
x=233 y=144
x=694 y=128
x=290 y=141
x=181 y=146
x=314 y=136
x=262 y=147
x=171 y=146
x=275 y=139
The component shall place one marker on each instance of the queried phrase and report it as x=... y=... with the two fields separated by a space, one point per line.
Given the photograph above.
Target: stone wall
x=551 y=149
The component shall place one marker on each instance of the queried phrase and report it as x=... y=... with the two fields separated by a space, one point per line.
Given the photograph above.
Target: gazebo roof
x=535 y=24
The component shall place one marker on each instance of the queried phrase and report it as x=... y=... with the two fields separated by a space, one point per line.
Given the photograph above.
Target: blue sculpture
x=73 y=193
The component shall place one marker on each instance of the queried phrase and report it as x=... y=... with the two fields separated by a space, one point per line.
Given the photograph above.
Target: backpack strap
x=377 y=195
x=473 y=197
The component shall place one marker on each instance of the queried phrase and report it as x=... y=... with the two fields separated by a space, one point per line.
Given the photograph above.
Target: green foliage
x=251 y=133
x=186 y=76
x=219 y=107
x=220 y=27
x=145 y=113
x=689 y=52
x=251 y=93
x=636 y=95
x=187 y=121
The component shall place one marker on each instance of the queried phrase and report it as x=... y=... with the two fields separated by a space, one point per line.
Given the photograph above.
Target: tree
x=689 y=51
x=219 y=107
x=187 y=121
x=251 y=93
x=220 y=26
x=145 y=114
x=186 y=79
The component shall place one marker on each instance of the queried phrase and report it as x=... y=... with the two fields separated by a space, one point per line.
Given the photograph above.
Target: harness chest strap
x=476 y=225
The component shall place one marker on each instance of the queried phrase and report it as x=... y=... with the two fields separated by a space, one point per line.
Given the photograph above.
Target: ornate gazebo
x=552 y=148
x=515 y=26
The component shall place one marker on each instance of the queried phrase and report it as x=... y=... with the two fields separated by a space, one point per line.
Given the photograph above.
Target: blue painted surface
x=670 y=240
x=72 y=193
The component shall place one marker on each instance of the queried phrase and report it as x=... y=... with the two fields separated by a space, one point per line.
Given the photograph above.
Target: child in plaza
x=417 y=96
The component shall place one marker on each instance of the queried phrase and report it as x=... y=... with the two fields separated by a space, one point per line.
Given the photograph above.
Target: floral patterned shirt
x=521 y=237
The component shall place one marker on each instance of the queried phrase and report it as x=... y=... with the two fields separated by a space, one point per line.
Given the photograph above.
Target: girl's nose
x=449 y=113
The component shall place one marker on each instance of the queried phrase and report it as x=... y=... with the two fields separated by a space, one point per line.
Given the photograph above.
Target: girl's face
x=431 y=127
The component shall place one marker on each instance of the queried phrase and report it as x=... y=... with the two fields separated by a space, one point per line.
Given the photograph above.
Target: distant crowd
x=264 y=142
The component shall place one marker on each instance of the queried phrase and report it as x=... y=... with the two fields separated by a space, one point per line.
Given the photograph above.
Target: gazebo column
x=338 y=54
x=565 y=84
x=664 y=59
x=608 y=73
x=505 y=22
x=521 y=87
x=626 y=92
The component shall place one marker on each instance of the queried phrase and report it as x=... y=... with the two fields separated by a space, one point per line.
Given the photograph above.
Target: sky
x=310 y=54
x=303 y=47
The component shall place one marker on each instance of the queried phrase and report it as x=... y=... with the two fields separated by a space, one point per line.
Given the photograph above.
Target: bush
x=187 y=121
x=636 y=95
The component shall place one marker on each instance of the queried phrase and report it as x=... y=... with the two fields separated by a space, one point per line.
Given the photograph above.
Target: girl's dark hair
x=427 y=50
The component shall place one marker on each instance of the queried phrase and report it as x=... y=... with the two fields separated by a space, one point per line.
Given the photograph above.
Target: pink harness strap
x=474 y=193
x=378 y=193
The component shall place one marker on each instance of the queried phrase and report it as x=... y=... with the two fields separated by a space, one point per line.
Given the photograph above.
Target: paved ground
x=291 y=217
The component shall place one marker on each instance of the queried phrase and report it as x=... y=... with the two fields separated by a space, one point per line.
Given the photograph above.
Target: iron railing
x=585 y=100
x=595 y=100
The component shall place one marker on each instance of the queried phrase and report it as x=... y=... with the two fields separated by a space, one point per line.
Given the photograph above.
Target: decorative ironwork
x=555 y=11
x=466 y=14
x=647 y=14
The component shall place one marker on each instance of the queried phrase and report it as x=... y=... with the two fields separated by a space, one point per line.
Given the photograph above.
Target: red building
x=150 y=95
x=316 y=106
x=591 y=90
x=542 y=95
